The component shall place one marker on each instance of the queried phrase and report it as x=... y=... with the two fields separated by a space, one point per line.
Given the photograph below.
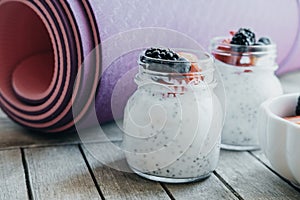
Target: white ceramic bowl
x=280 y=138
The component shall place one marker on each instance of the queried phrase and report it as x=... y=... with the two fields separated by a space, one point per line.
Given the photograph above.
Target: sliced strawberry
x=190 y=57
x=223 y=58
x=194 y=66
x=232 y=33
x=223 y=48
x=226 y=41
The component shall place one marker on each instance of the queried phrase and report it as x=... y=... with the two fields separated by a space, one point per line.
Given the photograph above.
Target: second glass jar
x=248 y=76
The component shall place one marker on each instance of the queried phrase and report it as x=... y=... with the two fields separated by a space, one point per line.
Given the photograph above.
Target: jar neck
x=170 y=85
x=262 y=56
x=263 y=68
x=195 y=79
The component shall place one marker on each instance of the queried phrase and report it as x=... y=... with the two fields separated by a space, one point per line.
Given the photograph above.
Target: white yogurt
x=245 y=91
x=173 y=136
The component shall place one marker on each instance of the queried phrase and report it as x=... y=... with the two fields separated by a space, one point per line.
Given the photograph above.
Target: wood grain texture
x=59 y=173
x=2 y=114
x=12 y=178
x=117 y=185
x=14 y=136
x=261 y=156
x=251 y=179
x=210 y=188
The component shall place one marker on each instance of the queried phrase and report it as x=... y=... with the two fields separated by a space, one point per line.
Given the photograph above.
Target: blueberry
x=183 y=66
x=264 y=40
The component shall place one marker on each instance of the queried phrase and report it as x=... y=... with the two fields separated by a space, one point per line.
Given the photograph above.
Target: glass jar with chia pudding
x=247 y=69
x=173 y=122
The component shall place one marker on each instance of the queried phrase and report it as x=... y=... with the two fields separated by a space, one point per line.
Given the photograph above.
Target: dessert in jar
x=247 y=67
x=173 y=122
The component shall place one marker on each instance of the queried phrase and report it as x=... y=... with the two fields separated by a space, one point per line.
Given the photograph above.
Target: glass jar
x=173 y=122
x=248 y=76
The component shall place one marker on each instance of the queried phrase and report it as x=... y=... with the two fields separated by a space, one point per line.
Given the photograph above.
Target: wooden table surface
x=58 y=166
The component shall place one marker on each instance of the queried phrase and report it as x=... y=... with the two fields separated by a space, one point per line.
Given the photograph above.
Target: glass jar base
x=170 y=179
x=240 y=147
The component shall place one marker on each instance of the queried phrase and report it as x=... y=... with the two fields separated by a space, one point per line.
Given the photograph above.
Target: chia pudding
x=173 y=121
x=247 y=70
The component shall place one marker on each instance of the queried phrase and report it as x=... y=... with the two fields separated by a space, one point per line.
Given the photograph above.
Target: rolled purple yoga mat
x=44 y=43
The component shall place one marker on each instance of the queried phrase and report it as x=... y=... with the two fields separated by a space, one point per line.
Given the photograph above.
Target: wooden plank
x=14 y=136
x=12 y=178
x=261 y=156
x=210 y=188
x=59 y=173
x=251 y=179
x=115 y=184
x=2 y=114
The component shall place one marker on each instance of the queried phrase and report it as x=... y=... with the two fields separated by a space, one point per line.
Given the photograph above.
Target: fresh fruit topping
x=236 y=54
x=193 y=59
x=166 y=60
x=298 y=107
x=190 y=57
x=194 y=66
x=160 y=53
x=182 y=66
x=226 y=41
x=243 y=37
x=264 y=40
x=232 y=33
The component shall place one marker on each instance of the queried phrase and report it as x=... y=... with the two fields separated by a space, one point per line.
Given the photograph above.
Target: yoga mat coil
x=45 y=49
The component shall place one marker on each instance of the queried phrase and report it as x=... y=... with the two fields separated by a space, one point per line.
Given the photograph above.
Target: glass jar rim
x=206 y=59
x=204 y=55
x=218 y=46
x=174 y=74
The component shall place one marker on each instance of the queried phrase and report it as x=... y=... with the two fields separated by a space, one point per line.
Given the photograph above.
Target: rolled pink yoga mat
x=44 y=43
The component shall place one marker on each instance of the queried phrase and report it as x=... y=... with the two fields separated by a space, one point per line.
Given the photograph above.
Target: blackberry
x=243 y=37
x=162 y=58
x=159 y=53
x=298 y=107
x=265 y=40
